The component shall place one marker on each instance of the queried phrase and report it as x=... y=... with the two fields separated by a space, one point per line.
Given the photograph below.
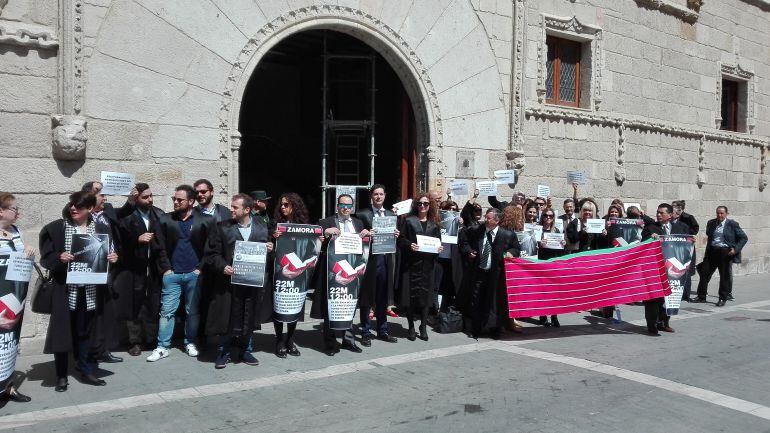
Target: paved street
x=711 y=375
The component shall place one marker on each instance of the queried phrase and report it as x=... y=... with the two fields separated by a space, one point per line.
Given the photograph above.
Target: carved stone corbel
x=701 y=162
x=762 y=166
x=69 y=137
x=620 y=167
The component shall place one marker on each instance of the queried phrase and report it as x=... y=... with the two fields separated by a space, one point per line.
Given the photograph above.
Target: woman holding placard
x=586 y=231
x=12 y=297
x=548 y=251
x=418 y=261
x=75 y=307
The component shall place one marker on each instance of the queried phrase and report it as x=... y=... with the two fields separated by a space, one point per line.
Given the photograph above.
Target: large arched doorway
x=324 y=106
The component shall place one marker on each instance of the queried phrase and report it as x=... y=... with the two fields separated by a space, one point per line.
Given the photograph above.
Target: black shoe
x=249 y=359
x=698 y=300
x=721 y=303
x=555 y=322
x=90 y=379
x=387 y=338
x=331 y=350
x=730 y=298
x=543 y=321
x=292 y=350
x=366 y=340
x=61 y=384
x=16 y=396
x=109 y=358
x=653 y=333
x=280 y=351
x=351 y=347
x=135 y=350
x=222 y=359
x=423 y=333
x=411 y=336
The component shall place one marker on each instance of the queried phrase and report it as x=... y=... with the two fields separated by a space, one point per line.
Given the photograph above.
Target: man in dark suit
x=261 y=199
x=138 y=285
x=379 y=278
x=519 y=198
x=341 y=222
x=182 y=236
x=485 y=247
x=725 y=242
x=654 y=309
x=234 y=311
x=204 y=195
x=681 y=216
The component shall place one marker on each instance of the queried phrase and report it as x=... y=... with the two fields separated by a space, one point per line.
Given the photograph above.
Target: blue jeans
x=174 y=286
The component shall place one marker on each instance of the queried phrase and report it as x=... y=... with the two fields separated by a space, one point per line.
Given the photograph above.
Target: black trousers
x=380 y=301
x=717 y=259
x=330 y=335
x=143 y=329
x=245 y=304
x=82 y=324
x=652 y=313
x=284 y=339
x=480 y=302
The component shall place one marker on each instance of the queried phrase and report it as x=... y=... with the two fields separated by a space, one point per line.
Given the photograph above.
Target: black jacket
x=203 y=227
x=221 y=213
x=677 y=228
x=367 y=293
x=691 y=222
x=585 y=241
x=732 y=235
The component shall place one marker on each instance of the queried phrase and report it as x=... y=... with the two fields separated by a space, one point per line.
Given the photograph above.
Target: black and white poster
x=677 y=252
x=296 y=256
x=249 y=260
x=13 y=295
x=384 y=239
x=90 y=263
x=625 y=231
x=450 y=226
x=344 y=277
x=527 y=242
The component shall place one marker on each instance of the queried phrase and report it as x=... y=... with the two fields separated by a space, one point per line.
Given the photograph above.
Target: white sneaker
x=191 y=349
x=157 y=353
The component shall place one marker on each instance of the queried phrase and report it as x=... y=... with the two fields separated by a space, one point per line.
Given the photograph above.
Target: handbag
x=450 y=321
x=42 y=300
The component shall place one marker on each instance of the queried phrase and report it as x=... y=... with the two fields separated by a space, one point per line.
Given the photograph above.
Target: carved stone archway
x=365 y=27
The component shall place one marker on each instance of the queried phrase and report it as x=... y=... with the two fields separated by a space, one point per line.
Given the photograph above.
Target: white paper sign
x=505 y=176
x=559 y=224
x=428 y=244
x=553 y=240
x=594 y=225
x=348 y=243
x=19 y=268
x=543 y=191
x=537 y=230
x=487 y=187
x=114 y=183
x=628 y=205
x=458 y=187
x=578 y=177
x=349 y=190
x=403 y=207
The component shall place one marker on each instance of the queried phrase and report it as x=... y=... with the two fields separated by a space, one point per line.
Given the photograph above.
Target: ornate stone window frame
x=591 y=38
x=736 y=72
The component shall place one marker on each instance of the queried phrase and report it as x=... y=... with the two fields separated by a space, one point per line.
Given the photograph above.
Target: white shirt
x=719 y=235
x=345 y=225
x=378 y=212
x=488 y=264
x=245 y=231
x=145 y=217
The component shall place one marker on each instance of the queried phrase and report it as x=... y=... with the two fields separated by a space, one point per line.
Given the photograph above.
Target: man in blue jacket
x=725 y=241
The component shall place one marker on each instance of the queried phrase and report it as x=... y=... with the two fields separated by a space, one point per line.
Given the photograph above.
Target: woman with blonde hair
x=576 y=230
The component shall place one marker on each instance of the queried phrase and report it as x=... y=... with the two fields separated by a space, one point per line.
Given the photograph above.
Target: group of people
x=159 y=260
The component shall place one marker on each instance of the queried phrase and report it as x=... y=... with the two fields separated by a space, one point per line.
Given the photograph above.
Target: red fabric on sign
x=584 y=281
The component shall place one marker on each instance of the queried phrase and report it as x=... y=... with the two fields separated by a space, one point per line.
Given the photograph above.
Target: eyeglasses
x=423 y=203
x=178 y=200
x=15 y=209
x=202 y=191
x=547 y=216
x=285 y=205
x=345 y=205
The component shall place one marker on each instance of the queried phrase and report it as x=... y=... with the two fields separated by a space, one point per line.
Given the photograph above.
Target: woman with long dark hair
x=418 y=268
x=543 y=253
x=75 y=307
x=13 y=294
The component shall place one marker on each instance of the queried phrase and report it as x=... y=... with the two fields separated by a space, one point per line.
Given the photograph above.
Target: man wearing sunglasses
x=333 y=226
x=204 y=195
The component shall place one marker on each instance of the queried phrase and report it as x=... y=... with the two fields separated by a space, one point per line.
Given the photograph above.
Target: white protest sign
x=403 y=207
x=553 y=240
x=428 y=244
x=458 y=187
x=578 y=177
x=348 y=243
x=595 y=225
x=487 y=187
x=505 y=176
x=543 y=191
x=537 y=230
x=114 y=183
x=559 y=224
x=19 y=268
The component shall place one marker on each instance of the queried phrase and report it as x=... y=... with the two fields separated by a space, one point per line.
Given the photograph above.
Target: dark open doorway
x=282 y=121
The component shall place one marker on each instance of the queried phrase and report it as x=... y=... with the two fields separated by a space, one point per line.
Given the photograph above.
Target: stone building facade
x=157 y=88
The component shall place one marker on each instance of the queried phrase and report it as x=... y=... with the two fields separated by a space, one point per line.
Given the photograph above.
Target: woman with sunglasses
x=543 y=253
x=418 y=268
x=291 y=209
x=14 y=294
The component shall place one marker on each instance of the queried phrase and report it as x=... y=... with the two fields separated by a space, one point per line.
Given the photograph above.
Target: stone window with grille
x=562 y=82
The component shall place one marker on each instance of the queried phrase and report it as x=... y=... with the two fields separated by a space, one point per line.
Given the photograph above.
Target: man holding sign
x=335 y=226
x=235 y=310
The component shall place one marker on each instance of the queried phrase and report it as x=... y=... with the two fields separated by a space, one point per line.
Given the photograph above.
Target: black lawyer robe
x=417 y=269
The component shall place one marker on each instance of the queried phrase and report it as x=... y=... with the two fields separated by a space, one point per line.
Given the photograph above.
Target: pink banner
x=586 y=280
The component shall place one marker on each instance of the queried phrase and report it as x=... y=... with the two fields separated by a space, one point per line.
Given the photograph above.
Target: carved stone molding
x=27 y=37
x=515 y=155
x=70 y=58
x=738 y=73
x=235 y=153
x=687 y=14
x=762 y=167
x=620 y=156
x=572 y=28
x=68 y=137
x=701 y=179
x=358 y=23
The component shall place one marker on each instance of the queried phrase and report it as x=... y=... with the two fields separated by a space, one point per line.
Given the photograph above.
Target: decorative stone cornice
x=686 y=14
x=762 y=4
x=515 y=154
x=677 y=130
x=736 y=70
x=569 y=24
x=27 y=37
